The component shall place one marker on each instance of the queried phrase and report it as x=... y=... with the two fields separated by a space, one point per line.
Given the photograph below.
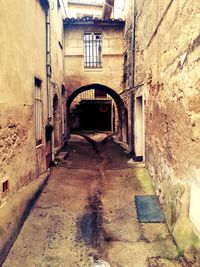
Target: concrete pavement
x=86 y=215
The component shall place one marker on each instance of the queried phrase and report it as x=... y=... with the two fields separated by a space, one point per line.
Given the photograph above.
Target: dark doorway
x=116 y=125
x=95 y=115
x=126 y=124
x=56 y=120
x=114 y=130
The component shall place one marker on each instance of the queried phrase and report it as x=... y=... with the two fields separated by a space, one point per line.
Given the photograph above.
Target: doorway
x=112 y=119
x=95 y=115
x=56 y=121
x=139 y=127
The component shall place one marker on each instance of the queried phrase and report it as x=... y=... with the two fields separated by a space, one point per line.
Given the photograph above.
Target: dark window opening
x=100 y=94
x=38 y=142
x=63 y=90
x=38 y=82
x=92 y=50
x=5 y=186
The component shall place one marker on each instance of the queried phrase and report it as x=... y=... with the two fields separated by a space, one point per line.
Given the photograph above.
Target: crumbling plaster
x=18 y=49
x=23 y=57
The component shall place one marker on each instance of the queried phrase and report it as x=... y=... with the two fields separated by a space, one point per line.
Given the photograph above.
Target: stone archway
x=115 y=96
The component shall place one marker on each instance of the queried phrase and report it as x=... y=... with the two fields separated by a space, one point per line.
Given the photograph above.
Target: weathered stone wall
x=22 y=57
x=167 y=62
x=127 y=68
x=57 y=68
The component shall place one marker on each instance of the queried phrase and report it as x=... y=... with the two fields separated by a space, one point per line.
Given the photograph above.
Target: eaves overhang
x=94 y=21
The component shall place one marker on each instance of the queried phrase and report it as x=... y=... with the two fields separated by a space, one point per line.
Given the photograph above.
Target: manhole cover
x=148 y=209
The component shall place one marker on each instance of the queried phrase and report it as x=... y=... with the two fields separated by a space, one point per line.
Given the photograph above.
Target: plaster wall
x=22 y=57
x=57 y=68
x=75 y=11
x=111 y=72
x=119 y=9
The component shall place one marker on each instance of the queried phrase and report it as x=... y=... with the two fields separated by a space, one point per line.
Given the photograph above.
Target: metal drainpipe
x=133 y=45
x=48 y=72
x=48 y=61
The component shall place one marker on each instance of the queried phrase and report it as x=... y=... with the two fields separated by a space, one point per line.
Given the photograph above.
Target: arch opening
x=113 y=106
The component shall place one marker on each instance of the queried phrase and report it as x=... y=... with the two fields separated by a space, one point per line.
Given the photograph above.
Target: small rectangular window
x=92 y=50
x=5 y=186
x=38 y=111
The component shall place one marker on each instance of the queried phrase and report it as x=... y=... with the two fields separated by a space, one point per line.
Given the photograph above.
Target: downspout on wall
x=48 y=74
x=48 y=62
x=132 y=84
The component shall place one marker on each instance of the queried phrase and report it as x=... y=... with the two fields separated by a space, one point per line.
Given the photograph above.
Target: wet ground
x=86 y=215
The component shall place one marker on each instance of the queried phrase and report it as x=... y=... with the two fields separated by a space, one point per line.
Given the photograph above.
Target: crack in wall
x=160 y=22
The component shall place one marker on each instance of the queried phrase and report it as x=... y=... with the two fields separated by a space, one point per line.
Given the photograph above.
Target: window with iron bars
x=38 y=111
x=92 y=50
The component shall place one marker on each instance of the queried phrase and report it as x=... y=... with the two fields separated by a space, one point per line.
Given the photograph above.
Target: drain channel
x=90 y=224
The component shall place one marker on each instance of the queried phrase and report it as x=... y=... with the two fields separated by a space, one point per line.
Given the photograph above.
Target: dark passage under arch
x=117 y=99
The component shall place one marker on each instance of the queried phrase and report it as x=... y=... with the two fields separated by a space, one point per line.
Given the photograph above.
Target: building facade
x=32 y=94
x=93 y=59
x=161 y=69
x=78 y=9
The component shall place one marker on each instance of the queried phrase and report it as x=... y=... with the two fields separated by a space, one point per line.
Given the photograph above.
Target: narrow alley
x=86 y=214
x=100 y=133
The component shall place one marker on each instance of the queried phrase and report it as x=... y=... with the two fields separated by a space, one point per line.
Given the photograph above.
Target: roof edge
x=93 y=21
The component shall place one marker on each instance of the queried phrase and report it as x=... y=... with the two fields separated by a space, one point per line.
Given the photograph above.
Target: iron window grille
x=92 y=50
